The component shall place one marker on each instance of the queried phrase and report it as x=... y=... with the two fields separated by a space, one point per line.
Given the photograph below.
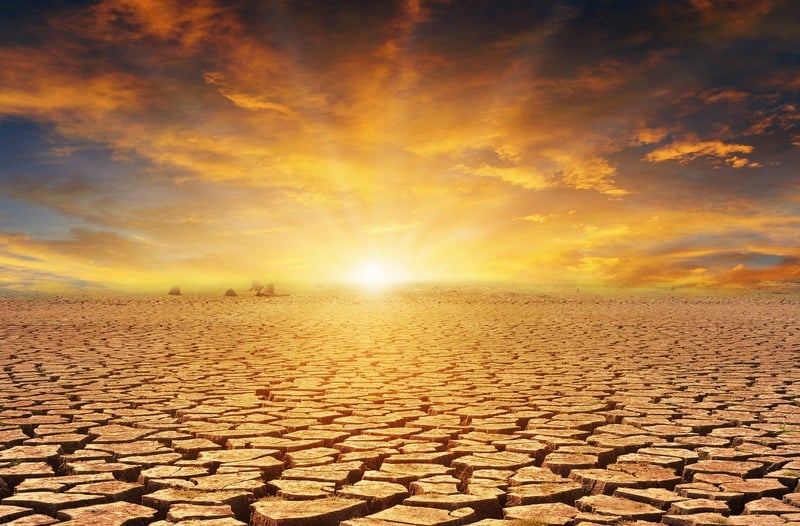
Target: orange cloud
x=592 y=174
x=733 y=15
x=509 y=147
x=183 y=21
x=686 y=151
x=537 y=218
x=518 y=176
x=649 y=136
x=48 y=85
x=780 y=276
x=594 y=264
x=723 y=95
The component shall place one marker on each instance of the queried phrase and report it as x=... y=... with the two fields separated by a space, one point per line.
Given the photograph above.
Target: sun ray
x=377 y=274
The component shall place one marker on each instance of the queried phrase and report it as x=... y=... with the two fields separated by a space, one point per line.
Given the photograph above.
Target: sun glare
x=377 y=274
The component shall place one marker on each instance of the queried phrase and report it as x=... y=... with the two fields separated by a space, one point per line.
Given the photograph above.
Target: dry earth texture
x=425 y=408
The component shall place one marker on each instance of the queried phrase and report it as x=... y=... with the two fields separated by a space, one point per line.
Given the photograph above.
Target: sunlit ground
x=398 y=368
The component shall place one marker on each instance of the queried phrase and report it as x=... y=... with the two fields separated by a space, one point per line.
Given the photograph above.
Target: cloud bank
x=146 y=143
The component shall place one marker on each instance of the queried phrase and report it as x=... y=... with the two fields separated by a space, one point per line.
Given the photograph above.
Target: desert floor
x=420 y=407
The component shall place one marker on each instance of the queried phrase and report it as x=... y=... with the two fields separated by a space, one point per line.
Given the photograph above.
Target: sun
x=377 y=274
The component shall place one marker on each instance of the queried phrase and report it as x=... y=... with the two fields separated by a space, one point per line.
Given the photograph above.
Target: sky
x=150 y=143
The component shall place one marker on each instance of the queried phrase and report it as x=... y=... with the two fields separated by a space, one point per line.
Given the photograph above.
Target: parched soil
x=419 y=407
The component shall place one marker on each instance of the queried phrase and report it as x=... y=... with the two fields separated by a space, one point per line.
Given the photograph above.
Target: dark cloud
x=26 y=22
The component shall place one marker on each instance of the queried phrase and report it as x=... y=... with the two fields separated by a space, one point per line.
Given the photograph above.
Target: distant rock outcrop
x=230 y=292
x=175 y=291
x=267 y=290
x=256 y=285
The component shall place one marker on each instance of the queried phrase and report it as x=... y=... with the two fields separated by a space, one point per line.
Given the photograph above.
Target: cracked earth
x=429 y=408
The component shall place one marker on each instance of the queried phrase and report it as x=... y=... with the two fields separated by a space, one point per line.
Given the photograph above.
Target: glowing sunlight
x=377 y=274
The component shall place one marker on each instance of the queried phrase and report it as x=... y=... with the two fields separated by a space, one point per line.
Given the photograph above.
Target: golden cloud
x=592 y=174
x=537 y=218
x=522 y=177
x=649 y=136
x=686 y=151
x=47 y=85
x=311 y=147
x=594 y=264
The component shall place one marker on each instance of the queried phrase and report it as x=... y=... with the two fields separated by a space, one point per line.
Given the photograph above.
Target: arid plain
x=415 y=407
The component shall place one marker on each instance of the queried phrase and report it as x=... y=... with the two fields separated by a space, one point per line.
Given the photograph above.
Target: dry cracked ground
x=430 y=408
